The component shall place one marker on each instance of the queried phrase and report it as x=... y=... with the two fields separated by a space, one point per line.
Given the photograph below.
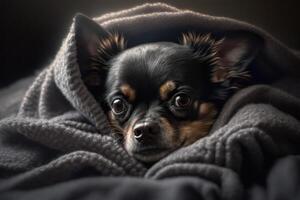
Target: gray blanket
x=61 y=133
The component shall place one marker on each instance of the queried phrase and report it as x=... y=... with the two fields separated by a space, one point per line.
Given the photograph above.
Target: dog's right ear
x=95 y=47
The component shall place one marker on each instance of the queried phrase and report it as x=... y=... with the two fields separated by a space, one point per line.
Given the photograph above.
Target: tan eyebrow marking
x=165 y=89
x=128 y=91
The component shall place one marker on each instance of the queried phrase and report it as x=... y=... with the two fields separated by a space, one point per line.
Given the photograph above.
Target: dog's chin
x=151 y=156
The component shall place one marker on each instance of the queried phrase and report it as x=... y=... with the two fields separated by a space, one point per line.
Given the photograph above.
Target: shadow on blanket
x=59 y=143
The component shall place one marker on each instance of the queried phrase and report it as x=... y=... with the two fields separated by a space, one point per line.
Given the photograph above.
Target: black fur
x=202 y=67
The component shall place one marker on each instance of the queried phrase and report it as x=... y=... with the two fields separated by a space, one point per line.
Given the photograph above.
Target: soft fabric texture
x=60 y=136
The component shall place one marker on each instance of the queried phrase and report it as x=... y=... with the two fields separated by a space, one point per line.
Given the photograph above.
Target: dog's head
x=162 y=96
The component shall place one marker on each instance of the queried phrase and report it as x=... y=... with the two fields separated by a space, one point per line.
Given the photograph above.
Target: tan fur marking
x=190 y=131
x=171 y=136
x=128 y=129
x=165 y=89
x=166 y=125
x=128 y=91
x=128 y=132
x=207 y=110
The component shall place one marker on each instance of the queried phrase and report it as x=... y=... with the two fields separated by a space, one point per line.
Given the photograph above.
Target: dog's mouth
x=151 y=154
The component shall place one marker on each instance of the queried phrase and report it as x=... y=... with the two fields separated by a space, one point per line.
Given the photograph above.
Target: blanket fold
x=61 y=133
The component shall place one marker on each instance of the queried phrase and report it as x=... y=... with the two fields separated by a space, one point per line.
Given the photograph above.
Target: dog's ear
x=95 y=47
x=229 y=57
x=235 y=53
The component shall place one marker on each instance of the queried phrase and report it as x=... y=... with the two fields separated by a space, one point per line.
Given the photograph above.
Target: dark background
x=32 y=30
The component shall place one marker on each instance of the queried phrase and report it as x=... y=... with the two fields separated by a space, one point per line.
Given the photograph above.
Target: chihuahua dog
x=162 y=96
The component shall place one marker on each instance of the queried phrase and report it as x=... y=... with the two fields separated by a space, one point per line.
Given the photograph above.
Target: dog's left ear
x=95 y=47
x=229 y=56
x=235 y=53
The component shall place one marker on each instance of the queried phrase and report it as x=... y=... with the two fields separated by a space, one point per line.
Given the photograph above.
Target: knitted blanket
x=59 y=145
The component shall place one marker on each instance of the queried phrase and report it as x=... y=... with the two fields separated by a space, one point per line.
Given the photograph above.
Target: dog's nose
x=145 y=130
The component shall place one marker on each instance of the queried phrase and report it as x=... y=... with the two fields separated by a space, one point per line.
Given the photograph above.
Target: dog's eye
x=119 y=106
x=182 y=101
